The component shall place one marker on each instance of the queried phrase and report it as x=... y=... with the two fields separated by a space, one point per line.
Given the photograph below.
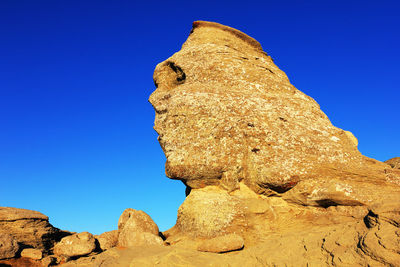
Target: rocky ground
x=270 y=181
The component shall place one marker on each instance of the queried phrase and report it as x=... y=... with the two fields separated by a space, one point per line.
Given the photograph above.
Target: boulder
x=209 y=212
x=108 y=240
x=136 y=228
x=75 y=245
x=29 y=228
x=8 y=246
x=221 y=244
x=32 y=253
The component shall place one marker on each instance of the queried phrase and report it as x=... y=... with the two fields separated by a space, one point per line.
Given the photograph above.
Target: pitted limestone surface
x=225 y=113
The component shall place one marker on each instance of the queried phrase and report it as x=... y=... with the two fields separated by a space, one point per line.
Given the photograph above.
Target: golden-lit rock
x=221 y=244
x=108 y=239
x=75 y=245
x=260 y=158
x=136 y=228
x=29 y=228
x=269 y=178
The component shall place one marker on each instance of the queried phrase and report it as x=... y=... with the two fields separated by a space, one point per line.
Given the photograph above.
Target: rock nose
x=159 y=100
x=168 y=75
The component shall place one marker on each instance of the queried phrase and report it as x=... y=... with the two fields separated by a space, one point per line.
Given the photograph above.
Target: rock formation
x=270 y=181
x=8 y=246
x=29 y=228
x=260 y=158
x=394 y=162
x=75 y=245
x=136 y=228
x=108 y=240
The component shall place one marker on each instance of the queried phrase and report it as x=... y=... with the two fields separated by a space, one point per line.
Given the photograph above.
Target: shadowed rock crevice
x=180 y=75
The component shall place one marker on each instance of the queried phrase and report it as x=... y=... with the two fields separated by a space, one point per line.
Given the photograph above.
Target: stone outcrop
x=225 y=114
x=259 y=158
x=29 y=228
x=75 y=245
x=108 y=240
x=136 y=228
x=8 y=246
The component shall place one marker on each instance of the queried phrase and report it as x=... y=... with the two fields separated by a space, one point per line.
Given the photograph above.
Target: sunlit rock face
x=271 y=182
x=225 y=114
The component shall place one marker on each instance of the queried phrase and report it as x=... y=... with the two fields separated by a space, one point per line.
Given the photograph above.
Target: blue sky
x=76 y=137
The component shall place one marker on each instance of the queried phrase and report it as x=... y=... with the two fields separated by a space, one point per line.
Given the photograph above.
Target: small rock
x=136 y=228
x=394 y=163
x=8 y=246
x=32 y=253
x=221 y=244
x=108 y=240
x=49 y=261
x=76 y=245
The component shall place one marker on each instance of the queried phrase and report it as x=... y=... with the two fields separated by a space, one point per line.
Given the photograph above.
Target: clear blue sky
x=76 y=137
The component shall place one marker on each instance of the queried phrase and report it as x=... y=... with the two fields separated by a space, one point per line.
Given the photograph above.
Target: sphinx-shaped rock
x=225 y=114
x=264 y=168
x=259 y=157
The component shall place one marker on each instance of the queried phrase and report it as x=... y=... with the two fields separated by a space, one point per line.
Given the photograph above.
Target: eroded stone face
x=226 y=113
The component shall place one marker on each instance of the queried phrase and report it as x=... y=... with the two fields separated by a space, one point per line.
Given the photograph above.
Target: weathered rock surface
x=223 y=243
x=75 y=245
x=49 y=261
x=108 y=240
x=136 y=228
x=261 y=159
x=29 y=228
x=263 y=166
x=226 y=113
x=394 y=162
x=8 y=246
x=32 y=253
